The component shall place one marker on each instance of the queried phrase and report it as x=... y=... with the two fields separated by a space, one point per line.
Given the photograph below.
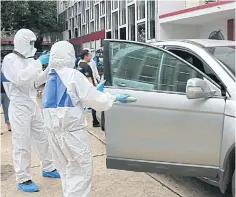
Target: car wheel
x=233 y=185
x=103 y=121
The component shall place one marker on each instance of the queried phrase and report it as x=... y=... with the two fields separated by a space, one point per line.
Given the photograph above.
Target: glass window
x=92 y=27
x=67 y=26
x=151 y=18
x=102 y=8
x=141 y=9
x=79 y=31
x=79 y=8
x=102 y=23
x=73 y=24
x=115 y=25
x=122 y=11
x=108 y=15
x=75 y=7
x=226 y=55
x=114 y=4
x=72 y=11
x=97 y=17
x=141 y=32
x=87 y=3
x=83 y=12
x=144 y=67
x=92 y=10
x=83 y=30
x=131 y=22
x=87 y=16
x=76 y=32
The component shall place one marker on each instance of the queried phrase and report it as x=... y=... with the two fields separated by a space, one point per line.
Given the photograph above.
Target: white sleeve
x=14 y=72
x=41 y=77
x=81 y=90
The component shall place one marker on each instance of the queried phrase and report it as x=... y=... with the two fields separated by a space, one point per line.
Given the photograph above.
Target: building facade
x=199 y=19
x=86 y=23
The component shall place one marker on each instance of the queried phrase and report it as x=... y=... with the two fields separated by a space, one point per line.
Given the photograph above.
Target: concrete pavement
x=106 y=183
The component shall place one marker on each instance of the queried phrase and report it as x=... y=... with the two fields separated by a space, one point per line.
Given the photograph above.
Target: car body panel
x=166 y=132
x=153 y=139
x=228 y=139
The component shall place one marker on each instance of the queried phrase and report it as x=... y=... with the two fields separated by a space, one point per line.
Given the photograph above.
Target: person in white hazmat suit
x=66 y=92
x=21 y=74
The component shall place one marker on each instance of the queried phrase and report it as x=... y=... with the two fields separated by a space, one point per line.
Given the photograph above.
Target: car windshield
x=226 y=55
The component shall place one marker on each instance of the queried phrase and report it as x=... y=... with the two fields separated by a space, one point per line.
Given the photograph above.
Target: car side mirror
x=198 y=88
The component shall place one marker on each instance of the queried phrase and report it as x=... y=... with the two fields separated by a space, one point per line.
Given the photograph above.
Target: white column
x=157 y=23
x=146 y=25
x=136 y=26
x=127 y=20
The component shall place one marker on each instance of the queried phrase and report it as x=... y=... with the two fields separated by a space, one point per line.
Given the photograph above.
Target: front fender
x=227 y=160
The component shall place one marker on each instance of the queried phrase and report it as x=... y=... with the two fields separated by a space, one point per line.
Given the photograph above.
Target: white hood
x=22 y=42
x=62 y=54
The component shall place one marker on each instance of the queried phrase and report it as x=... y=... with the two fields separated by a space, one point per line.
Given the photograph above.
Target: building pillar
x=230 y=29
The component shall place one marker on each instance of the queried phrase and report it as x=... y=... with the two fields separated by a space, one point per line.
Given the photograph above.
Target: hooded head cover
x=24 y=42
x=62 y=54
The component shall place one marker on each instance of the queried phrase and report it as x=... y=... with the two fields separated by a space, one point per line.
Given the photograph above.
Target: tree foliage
x=39 y=16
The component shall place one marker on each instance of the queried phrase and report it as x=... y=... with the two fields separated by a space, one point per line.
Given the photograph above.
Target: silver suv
x=180 y=118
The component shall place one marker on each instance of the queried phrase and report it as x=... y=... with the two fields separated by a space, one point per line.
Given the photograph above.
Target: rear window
x=226 y=55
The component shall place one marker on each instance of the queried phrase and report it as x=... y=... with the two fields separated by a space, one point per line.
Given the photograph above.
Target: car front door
x=161 y=130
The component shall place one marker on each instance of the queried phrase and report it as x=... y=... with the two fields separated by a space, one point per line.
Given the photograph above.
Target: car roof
x=200 y=42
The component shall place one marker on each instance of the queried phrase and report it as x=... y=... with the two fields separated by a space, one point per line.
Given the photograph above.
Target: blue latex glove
x=122 y=97
x=100 y=86
x=44 y=59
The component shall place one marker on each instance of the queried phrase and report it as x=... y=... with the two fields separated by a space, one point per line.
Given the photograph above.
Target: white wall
x=65 y=35
x=177 y=31
x=98 y=44
x=86 y=45
x=193 y=3
x=207 y=29
x=174 y=31
x=167 y=6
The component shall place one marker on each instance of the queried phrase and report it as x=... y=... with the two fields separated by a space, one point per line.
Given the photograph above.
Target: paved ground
x=106 y=183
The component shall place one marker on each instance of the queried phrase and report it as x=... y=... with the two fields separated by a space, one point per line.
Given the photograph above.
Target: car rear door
x=159 y=130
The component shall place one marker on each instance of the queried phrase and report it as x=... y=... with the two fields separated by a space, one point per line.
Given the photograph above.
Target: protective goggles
x=32 y=42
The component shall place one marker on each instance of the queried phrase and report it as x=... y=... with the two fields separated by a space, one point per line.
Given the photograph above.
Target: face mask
x=34 y=51
x=31 y=51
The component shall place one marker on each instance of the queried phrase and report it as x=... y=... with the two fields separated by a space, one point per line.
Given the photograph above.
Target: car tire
x=103 y=121
x=233 y=185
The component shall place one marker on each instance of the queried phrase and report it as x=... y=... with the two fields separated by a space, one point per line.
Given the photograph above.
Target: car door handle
x=121 y=85
x=130 y=100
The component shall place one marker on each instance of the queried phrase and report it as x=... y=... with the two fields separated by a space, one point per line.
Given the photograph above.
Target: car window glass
x=175 y=74
x=146 y=68
x=134 y=66
x=196 y=62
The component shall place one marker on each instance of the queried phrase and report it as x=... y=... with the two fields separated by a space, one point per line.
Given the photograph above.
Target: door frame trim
x=162 y=167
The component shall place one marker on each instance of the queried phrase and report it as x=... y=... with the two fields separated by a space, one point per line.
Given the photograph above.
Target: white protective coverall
x=66 y=92
x=22 y=76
